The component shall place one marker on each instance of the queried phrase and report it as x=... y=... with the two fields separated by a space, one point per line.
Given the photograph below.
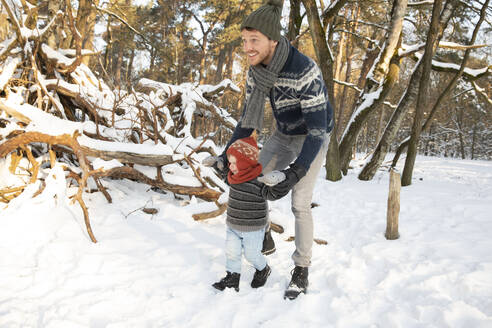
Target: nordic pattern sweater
x=247 y=210
x=299 y=101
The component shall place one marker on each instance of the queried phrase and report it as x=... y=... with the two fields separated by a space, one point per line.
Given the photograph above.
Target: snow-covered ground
x=156 y=270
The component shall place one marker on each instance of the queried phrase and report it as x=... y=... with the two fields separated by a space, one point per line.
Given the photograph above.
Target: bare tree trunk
x=180 y=59
x=220 y=64
x=451 y=84
x=203 y=60
x=459 y=112
x=406 y=99
x=53 y=7
x=377 y=85
x=130 y=67
x=380 y=124
x=432 y=38
x=326 y=66
x=391 y=45
x=344 y=103
x=295 y=22
x=338 y=70
x=86 y=19
x=393 y=210
x=119 y=64
x=474 y=141
x=109 y=46
x=222 y=53
x=370 y=58
x=230 y=59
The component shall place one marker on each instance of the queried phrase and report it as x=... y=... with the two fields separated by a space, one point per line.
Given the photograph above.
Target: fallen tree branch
x=12 y=112
x=14 y=22
x=481 y=91
x=208 y=215
x=211 y=109
x=128 y=157
x=77 y=39
x=132 y=174
x=65 y=140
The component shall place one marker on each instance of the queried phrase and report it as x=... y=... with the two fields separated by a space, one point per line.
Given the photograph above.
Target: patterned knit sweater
x=299 y=101
x=247 y=210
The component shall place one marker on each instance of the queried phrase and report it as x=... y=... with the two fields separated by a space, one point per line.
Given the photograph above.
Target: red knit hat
x=246 y=152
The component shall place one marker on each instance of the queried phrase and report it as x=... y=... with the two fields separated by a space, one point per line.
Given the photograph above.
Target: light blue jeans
x=278 y=152
x=251 y=242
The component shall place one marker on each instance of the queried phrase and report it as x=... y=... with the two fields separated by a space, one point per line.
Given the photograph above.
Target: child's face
x=232 y=164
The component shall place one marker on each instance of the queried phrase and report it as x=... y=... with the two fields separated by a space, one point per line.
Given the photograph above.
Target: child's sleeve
x=271 y=193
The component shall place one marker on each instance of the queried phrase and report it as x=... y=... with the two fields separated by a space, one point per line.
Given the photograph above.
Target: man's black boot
x=268 y=243
x=260 y=277
x=231 y=280
x=298 y=284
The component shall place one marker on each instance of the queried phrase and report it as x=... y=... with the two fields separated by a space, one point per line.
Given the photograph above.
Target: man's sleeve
x=316 y=111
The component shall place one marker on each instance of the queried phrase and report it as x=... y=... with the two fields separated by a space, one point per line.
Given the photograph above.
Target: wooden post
x=393 y=206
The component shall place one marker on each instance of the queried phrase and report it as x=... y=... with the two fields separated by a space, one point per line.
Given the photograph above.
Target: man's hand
x=219 y=164
x=292 y=176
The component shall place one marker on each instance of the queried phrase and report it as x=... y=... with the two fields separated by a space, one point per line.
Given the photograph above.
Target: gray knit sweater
x=247 y=210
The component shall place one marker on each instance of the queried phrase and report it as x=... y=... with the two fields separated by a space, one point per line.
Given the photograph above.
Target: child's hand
x=272 y=178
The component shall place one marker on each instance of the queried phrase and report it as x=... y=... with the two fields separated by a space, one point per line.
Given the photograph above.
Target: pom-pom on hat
x=266 y=19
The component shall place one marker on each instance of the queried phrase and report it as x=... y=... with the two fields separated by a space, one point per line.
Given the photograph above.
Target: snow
x=419 y=3
x=226 y=83
x=406 y=49
x=8 y=70
x=469 y=71
x=5 y=44
x=56 y=55
x=368 y=101
x=157 y=270
x=147 y=148
x=105 y=165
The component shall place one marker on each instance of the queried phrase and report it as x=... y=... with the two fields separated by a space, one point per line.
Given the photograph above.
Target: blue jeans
x=251 y=242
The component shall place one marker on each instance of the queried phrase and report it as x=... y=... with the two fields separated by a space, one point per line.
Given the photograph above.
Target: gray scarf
x=264 y=78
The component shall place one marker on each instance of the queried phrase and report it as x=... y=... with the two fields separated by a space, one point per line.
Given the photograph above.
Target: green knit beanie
x=266 y=19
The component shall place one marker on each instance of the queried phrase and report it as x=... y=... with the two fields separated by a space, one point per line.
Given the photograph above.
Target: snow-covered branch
x=350 y=85
x=420 y=3
x=15 y=21
x=482 y=92
x=457 y=46
x=51 y=100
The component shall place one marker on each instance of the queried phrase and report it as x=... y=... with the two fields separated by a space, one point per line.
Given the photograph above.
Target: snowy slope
x=156 y=270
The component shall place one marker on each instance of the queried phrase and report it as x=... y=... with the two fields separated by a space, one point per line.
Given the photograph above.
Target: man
x=295 y=88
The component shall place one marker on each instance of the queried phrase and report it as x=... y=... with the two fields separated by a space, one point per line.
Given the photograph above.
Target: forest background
x=108 y=108
x=401 y=74
x=199 y=42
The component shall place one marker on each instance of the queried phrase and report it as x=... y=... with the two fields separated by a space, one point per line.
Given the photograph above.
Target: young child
x=247 y=214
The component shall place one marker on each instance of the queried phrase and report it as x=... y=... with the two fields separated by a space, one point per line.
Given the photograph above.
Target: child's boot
x=260 y=277
x=231 y=280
